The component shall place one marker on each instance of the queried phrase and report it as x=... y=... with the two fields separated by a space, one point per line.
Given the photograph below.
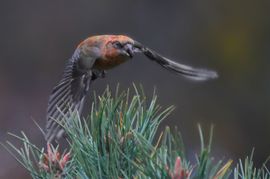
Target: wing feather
x=186 y=71
x=68 y=95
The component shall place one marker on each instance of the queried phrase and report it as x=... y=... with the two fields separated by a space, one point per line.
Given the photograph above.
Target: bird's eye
x=117 y=44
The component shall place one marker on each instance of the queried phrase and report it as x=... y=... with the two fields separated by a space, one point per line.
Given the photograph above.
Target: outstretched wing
x=68 y=95
x=186 y=71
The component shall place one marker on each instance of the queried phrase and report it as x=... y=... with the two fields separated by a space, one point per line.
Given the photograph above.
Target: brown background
x=231 y=36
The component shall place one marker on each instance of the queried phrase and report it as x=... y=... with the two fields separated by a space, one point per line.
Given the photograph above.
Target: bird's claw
x=100 y=74
x=103 y=74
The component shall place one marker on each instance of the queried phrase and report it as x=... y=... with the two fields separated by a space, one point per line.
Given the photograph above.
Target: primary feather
x=186 y=71
x=67 y=96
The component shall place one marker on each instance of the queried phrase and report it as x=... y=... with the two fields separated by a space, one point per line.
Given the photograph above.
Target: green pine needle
x=120 y=139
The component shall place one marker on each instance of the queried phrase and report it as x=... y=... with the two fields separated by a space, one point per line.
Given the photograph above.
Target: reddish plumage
x=109 y=56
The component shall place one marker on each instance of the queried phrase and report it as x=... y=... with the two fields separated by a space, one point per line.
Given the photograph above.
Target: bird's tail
x=186 y=71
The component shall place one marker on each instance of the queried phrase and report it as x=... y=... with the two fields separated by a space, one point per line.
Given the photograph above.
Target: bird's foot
x=98 y=74
x=103 y=74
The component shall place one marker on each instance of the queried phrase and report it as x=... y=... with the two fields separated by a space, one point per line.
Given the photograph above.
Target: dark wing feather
x=186 y=71
x=68 y=95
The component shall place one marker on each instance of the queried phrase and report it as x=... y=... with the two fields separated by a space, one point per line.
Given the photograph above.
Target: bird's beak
x=132 y=48
x=129 y=50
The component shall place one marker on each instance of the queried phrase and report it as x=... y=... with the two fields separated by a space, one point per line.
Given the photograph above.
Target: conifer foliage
x=120 y=139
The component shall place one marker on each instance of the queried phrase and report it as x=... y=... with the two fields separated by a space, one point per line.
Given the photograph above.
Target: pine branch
x=119 y=139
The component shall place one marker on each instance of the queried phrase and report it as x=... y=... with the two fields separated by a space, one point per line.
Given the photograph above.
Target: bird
x=90 y=60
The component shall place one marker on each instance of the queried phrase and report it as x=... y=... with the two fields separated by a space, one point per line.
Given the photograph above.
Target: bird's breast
x=106 y=64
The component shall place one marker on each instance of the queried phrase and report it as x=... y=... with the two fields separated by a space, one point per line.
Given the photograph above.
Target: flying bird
x=91 y=59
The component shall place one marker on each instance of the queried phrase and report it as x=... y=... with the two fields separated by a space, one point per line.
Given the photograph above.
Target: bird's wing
x=68 y=95
x=186 y=71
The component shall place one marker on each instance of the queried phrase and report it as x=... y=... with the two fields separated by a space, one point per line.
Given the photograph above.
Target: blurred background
x=231 y=36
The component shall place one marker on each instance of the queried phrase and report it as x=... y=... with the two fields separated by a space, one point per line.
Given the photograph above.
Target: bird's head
x=117 y=46
x=109 y=50
x=110 y=46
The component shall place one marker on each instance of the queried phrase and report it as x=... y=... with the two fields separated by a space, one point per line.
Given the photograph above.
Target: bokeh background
x=230 y=36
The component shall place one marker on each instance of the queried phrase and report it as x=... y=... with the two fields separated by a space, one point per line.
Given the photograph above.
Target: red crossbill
x=90 y=60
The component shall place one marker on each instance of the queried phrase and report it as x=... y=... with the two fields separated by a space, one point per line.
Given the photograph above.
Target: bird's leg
x=98 y=74
x=94 y=76
x=103 y=74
